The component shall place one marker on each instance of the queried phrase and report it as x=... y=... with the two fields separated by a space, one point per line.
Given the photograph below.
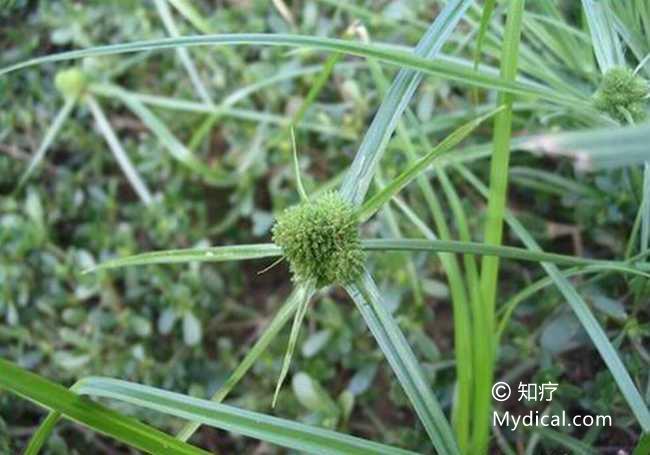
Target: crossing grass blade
x=403 y=362
x=88 y=413
x=482 y=249
x=223 y=109
x=212 y=254
x=49 y=137
x=158 y=128
x=598 y=148
x=408 y=175
x=119 y=153
x=576 y=446
x=496 y=203
x=445 y=68
x=183 y=54
x=293 y=340
x=588 y=321
x=286 y=433
x=361 y=171
x=280 y=319
x=607 y=46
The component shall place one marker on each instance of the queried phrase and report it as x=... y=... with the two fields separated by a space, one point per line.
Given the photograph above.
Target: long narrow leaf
x=212 y=254
x=585 y=316
x=446 y=68
x=278 y=431
x=403 y=362
x=168 y=140
x=50 y=135
x=88 y=413
x=398 y=183
x=183 y=53
x=452 y=246
x=361 y=171
x=270 y=333
x=607 y=46
x=119 y=153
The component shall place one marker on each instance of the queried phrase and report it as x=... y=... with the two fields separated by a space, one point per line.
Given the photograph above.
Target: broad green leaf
x=278 y=431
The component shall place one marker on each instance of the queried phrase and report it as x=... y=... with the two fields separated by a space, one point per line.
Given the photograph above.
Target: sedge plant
x=321 y=238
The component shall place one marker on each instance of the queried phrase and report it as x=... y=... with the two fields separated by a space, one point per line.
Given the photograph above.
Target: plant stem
x=484 y=370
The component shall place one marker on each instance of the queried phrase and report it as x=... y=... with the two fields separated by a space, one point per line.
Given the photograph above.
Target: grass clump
x=622 y=95
x=320 y=239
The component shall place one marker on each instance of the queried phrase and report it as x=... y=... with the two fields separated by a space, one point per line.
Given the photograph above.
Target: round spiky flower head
x=320 y=239
x=70 y=82
x=622 y=91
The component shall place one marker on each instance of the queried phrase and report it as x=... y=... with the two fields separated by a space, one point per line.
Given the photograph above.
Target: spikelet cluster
x=622 y=91
x=70 y=82
x=320 y=239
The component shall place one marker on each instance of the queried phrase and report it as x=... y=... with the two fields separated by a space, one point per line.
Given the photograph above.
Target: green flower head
x=622 y=91
x=70 y=82
x=320 y=239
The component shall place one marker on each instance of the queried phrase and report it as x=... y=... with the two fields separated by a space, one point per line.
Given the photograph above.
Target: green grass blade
x=223 y=109
x=49 y=137
x=585 y=316
x=296 y=166
x=212 y=254
x=596 y=149
x=119 y=153
x=446 y=68
x=188 y=11
x=361 y=171
x=499 y=164
x=270 y=333
x=88 y=413
x=293 y=340
x=42 y=434
x=462 y=322
x=482 y=249
x=294 y=435
x=183 y=54
x=393 y=344
x=158 y=128
x=488 y=9
x=576 y=446
x=607 y=46
x=398 y=183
